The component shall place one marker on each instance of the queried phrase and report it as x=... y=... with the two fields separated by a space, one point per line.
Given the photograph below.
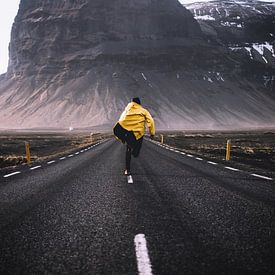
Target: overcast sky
x=8 y=10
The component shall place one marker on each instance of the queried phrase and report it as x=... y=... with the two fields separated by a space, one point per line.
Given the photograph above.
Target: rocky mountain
x=78 y=63
x=247 y=27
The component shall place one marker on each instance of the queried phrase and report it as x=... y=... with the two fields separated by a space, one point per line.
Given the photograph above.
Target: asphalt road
x=79 y=215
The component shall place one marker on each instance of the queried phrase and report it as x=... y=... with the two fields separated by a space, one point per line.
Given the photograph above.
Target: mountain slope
x=248 y=26
x=79 y=63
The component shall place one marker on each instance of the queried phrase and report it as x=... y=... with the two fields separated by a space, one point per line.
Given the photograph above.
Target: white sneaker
x=127 y=173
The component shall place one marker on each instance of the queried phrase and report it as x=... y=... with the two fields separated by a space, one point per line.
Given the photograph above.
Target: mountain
x=243 y=26
x=78 y=63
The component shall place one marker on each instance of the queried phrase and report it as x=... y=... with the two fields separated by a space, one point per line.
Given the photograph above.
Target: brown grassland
x=249 y=150
x=254 y=151
x=43 y=146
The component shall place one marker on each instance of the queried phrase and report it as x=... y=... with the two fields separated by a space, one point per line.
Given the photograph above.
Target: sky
x=8 y=10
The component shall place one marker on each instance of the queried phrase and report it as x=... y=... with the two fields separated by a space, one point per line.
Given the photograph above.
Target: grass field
x=249 y=150
x=253 y=150
x=42 y=146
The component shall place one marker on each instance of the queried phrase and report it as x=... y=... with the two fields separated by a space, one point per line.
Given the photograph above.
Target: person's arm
x=150 y=123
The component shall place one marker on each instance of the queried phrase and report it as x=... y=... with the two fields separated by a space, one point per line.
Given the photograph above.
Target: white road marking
x=262 y=177
x=143 y=260
x=130 y=179
x=144 y=77
x=36 y=167
x=63 y=158
x=12 y=174
x=81 y=151
x=77 y=153
x=50 y=162
x=70 y=156
x=231 y=168
x=211 y=162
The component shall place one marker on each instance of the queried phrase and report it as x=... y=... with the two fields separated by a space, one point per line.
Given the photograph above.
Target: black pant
x=133 y=145
x=132 y=151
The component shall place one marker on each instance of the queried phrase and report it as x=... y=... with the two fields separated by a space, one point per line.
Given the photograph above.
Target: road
x=182 y=215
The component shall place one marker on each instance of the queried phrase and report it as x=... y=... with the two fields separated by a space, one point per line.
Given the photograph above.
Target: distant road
x=182 y=215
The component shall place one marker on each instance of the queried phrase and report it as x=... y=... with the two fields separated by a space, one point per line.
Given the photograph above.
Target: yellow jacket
x=133 y=119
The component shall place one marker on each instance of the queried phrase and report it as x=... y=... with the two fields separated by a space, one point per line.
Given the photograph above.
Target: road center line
x=12 y=174
x=231 y=168
x=262 y=177
x=70 y=156
x=211 y=162
x=130 y=179
x=50 y=162
x=143 y=260
x=36 y=167
x=62 y=158
x=191 y=156
x=199 y=159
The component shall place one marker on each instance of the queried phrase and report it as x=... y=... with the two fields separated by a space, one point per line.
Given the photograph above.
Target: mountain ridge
x=72 y=67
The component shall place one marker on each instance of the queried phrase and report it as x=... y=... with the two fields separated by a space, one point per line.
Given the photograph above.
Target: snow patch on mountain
x=204 y=17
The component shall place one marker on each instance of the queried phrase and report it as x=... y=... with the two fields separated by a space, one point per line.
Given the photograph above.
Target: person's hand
x=152 y=137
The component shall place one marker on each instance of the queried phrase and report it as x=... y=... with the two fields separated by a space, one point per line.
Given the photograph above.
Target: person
x=130 y=129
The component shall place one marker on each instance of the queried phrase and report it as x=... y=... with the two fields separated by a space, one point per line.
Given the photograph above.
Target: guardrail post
x=228 y=148
x=161 y=139
x=28 y=153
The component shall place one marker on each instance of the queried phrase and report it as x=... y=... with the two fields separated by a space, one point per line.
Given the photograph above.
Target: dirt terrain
x=250 y=150
x=253 y=151
x=42 y=146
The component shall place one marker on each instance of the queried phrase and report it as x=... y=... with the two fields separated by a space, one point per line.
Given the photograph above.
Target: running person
x=130 y=129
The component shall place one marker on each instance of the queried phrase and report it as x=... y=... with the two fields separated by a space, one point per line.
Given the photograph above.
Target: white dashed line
x=144 y=77
x=70 y=156
x=12 y=174
x=262 y=177
x=130 y=179
x=231 y=168
x=81 y=151
x=211 y=162
x=143 y=260
x=63 y=158
x=77 y=153
x=50 y=162
x=36 y=167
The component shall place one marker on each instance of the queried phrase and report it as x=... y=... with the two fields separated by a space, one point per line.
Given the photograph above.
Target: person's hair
x=136 y=100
